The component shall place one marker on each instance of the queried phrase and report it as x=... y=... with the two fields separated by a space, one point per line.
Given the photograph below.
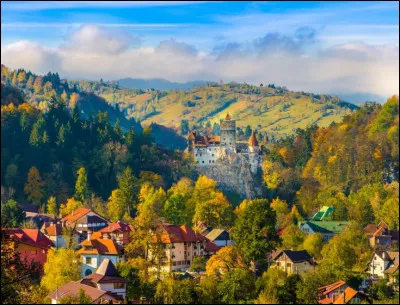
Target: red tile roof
x=178 y=234
x=346 y=296
x=117 y=226
x=331 y=287
x=31 y=237
x=52 y=229
x=75 y=215
x=211 y=247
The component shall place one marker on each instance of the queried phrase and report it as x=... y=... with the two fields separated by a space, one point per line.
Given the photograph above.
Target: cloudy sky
x=345 y=48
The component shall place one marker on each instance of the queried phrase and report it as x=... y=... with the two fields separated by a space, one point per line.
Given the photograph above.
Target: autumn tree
x=116 y=205
x=70 y=206
x=34 y=187
x=52 y=206
x=12 y=216
x=61 y=267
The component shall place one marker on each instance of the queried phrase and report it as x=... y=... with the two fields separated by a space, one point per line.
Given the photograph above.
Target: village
x=101 y=243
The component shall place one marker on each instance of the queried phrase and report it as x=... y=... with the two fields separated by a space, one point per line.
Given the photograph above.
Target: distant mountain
x=359 y=98
x=158 y=84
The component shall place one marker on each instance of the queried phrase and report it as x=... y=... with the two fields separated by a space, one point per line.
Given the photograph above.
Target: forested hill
x=39 y=90
x=268 y=109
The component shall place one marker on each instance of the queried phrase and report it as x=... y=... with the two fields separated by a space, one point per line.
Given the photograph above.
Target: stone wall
x=234 y=172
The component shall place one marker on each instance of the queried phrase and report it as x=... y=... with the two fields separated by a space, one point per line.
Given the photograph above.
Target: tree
x=73 y=100
x=237 y=287
x=12 y=216
x=131 y=274
x=215 y=212
x=307 y=290
x=128 y=185
x=269 y=285
x=81 y=185
x=313 y=244
x=171 y=291
x=34 y=187
x=37 y=85
x=292 y=237
x=70 y=206
x=116 y=206
x=17 y=274
x=81 y=298
x=61 y=267
x=198 y=264
x=207 y=290
x=175 y=209
x=52 y=206
x=254 y=230
x=226 y=259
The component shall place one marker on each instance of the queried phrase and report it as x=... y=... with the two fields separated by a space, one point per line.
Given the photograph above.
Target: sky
x=345 y=48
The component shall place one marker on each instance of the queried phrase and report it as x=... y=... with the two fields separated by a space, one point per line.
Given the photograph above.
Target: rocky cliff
x=237 y=172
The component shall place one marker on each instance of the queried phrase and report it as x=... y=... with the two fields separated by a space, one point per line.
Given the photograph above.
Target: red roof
x=75 y=215
x=179 y=234
x=211 y=247
x=331 y=287
x=31 y=237
x=117 y=226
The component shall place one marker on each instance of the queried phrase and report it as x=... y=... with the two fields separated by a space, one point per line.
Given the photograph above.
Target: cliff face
x=237 y=172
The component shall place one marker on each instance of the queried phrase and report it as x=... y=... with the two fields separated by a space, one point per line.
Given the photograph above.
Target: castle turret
x=228 y=132
x=253 y=143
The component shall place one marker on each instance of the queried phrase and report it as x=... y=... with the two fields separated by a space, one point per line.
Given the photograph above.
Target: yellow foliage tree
x=224 y=260
x=69 y=206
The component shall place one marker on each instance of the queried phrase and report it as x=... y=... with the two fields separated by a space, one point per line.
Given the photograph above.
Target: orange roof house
x=95 y=249
x=340 y=293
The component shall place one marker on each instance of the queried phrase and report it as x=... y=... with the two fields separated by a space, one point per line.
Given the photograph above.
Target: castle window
x=209 y=161
x=212 y=155
x=202 y=161
x=196 y=155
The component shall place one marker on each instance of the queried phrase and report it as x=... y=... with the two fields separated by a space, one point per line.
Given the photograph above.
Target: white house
x=383 y=264
x=95 y=249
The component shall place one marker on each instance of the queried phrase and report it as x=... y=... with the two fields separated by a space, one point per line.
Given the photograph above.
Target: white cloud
x=93 y=53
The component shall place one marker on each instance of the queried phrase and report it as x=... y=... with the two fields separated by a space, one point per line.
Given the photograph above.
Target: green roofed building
x=326 y=228
x=323 y=214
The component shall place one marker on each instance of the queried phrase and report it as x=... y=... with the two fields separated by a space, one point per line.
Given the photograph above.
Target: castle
x=208 y=150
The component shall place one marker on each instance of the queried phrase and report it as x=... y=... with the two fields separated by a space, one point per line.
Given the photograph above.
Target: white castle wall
x=206 y=155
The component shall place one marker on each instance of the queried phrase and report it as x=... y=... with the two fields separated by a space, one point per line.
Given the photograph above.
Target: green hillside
x=269 y=109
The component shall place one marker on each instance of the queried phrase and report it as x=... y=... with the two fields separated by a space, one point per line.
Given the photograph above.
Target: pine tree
x=37 y=85
x=14 y=80
x=81 y=186
x=29 y=83
x=128 y=186
x=34 y=187
x=21 y=77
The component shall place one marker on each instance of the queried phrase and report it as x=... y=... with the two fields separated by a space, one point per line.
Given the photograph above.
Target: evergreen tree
x=34 y=187
x=81 y=185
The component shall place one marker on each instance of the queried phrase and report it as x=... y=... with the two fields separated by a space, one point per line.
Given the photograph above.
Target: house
x=327 y=229
x=340 y=293
x=97 y=296
x=182 y=244
x=219 y=237
x=379 y=235
x=57 y=234
x=384 y=264
x=32 y=214
x=84 y=220
x=202 y=228
x=323 y=214
x=108 y=279
x=118 y=231
x=31 y=244
x=293 y=262
x=95 y=249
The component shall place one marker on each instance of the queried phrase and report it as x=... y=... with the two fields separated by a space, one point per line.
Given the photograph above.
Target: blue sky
x=205 y=34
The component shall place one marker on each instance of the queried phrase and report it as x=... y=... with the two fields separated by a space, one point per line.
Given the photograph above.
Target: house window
x=278 y=264
x=119 y=285
x=288 y=265
x=33 y=252
x=88 y=260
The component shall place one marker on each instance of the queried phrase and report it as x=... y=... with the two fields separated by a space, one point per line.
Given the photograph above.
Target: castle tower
x=228 y=132
x=253 y=143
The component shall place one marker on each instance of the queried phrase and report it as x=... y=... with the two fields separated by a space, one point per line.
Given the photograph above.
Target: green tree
x=292 y=237
x=34 y=187
x=52 y=206
x=61 y=267
x=81 y=185
x=128 y=185
x=133 y=284
x=116 y=206
x=12 y=216
x=171 y=291
x=254 y=230
x=237 y=287
x=175 y=209
x=198 y=264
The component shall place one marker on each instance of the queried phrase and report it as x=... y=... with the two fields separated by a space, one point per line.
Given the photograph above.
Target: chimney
x=384 y=255
x=73 y=213
x=89 y=235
